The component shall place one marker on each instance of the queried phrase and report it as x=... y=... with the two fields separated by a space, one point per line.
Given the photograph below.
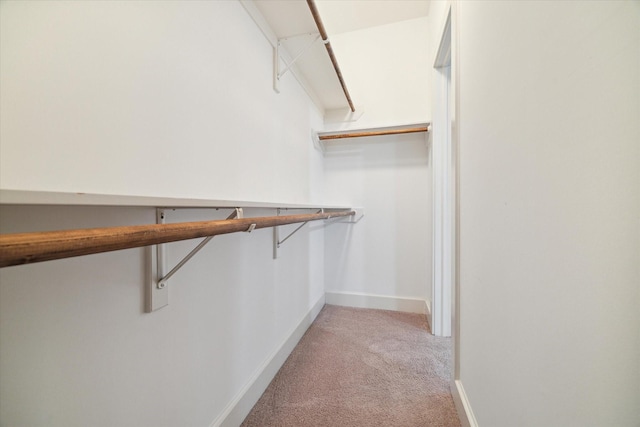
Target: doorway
x=444 y=170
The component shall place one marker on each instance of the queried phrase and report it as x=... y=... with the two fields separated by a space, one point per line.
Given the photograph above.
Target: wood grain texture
x=373 y=133
x=25 y=248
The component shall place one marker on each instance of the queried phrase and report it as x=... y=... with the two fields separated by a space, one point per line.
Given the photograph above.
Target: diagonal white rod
x=190 y=255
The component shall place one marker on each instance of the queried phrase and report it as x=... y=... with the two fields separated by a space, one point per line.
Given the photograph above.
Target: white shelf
x=20 y=197
x=291 y=23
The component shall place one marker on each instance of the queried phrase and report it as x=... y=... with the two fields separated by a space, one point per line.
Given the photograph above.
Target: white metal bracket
x=157 y=290
x=276 y=230
x=277 y=72
x=317 y=144
x=156 y=296
x=276 y=235
x=357 y=217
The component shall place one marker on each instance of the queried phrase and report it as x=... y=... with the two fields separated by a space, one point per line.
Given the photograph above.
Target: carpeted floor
x=359 y=367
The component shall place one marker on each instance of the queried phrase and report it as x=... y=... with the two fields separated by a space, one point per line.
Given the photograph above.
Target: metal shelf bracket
x=278 y=73
x=157 y=291
x=276 y=235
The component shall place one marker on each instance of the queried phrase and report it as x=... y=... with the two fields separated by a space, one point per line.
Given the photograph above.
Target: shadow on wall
x=337 y=249
x=388 y=252
x=379 y=151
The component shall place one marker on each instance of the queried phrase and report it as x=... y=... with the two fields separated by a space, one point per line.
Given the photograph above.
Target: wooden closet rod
x=25 y=248
x=327 y=44
x=373 y=133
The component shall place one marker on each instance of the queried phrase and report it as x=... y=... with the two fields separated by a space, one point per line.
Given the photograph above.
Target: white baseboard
x=463 y=407
x=381 y=302
x=238 y=409
x=428 y=312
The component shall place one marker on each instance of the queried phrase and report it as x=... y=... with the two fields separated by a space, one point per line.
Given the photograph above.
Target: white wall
x=159 y=99
x=76 y=348
x=550 y=202
x=385 y=68
x=388 y=252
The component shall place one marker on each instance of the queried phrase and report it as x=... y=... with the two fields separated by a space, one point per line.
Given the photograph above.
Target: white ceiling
x=292 y=17
x=341 y=16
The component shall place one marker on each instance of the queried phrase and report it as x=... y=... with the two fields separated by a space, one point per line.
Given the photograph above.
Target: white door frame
x=444 y=181
x=447 y=104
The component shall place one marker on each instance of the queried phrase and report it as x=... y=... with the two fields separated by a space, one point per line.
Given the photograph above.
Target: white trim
x=380 y=302
x=28 y=197
x=463 y=407
x=455 y=143
x=427 y=308
x=238 y=409
x=443 y=190
x=443 y=55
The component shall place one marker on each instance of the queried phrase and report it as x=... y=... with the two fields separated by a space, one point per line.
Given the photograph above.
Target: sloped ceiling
x=345 y=16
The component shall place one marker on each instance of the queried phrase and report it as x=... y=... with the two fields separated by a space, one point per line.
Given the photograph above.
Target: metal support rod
x=276 y=238
x=161 y=258
x=235 y=214
x=25 y=248
x=296 y=230
x=327 y=45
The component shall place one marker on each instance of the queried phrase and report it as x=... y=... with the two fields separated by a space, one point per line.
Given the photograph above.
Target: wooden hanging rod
x=26 y=248
x=327 y=45
x=373 y=133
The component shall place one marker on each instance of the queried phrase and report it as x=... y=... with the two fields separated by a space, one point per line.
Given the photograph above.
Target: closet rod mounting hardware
x=236 y=214
x=278 y=72
x=27 y=248
x=359 y=214
x=280 y=242
x=329 y=214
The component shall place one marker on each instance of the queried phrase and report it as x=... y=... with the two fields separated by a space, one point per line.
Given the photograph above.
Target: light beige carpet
x=360 y=367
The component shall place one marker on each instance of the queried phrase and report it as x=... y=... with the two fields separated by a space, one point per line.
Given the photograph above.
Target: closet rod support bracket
x=277 y=57
x=157 y=293
x=276 y=235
